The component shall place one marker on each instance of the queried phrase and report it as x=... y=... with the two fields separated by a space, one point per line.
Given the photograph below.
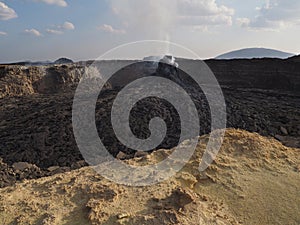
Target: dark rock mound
x=266 y=74
x=294 y=59
x=63 y=61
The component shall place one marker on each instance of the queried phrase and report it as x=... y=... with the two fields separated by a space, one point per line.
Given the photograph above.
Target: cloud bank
x=7 y=13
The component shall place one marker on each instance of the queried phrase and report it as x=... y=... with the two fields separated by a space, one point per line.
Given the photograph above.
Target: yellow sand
x=254 y=180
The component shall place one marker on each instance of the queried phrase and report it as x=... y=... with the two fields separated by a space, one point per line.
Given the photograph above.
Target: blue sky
x=85 y=29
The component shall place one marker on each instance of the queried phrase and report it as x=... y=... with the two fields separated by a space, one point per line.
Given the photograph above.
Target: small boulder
x=21 y=166
x=284 y=131
x=122 y=156
x=53 y=168
x=140 y=154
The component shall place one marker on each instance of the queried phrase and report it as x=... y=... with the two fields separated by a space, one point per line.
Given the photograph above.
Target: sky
x=40 y=30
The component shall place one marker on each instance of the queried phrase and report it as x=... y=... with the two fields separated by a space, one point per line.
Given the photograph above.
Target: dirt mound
x=16 y=80
x=254 y=180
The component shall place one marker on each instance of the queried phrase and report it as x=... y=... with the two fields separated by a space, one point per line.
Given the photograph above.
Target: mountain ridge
x=250 y=53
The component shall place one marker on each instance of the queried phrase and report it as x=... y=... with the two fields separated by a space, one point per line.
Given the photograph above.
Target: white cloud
x=202 y=7
x=59 y=29
x=61 y=3
x=66 y=26
x=33 y=32
x=51 y=31
x=109 y=29
x=205 y=20
x=204 y=13
x=275 y=15
x=161 y=17
x=2 y=33
x=6 y=13
x=243 y=22
x=152 y=18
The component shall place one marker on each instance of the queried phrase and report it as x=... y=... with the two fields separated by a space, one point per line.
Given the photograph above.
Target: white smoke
x=153 y=19
x=166 y=59
x=158 y=19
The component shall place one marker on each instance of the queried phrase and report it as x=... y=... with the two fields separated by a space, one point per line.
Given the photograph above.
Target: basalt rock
x=36 y=108
x=269 y=74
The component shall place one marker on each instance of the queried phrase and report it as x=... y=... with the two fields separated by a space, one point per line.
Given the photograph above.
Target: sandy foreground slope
x=254 y=180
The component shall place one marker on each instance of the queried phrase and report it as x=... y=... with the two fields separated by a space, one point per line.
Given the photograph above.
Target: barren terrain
x=255 y=178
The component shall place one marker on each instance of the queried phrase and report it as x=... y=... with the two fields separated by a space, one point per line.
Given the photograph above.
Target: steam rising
x=153 y=19
x=168 y=59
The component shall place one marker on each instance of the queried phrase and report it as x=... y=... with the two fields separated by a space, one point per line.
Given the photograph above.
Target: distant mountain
x=63 y=61
x=29 y=63
x=42 y=63
x=249 y=53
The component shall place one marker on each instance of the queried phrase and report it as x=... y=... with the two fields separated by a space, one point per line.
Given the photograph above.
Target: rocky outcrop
x=18 y=80
x=59 y=79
